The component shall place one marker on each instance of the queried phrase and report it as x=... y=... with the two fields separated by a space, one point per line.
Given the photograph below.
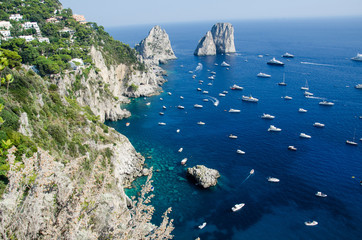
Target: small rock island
x=219 y=40
x=205 y=177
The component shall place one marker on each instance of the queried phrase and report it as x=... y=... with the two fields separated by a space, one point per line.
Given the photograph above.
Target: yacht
x=252 y=171
x=249 y=99
x=272 y=128
x=225 y=92
x=357 y=58
x=127 y=124
x=209 y=84
x=287 y=55
x=283 y=83
x=306 y=93
x=358 y=86
x=161 y=113
x=203 y=224
x=213 y=72
x=183 y=161
x=180 y=150
x=236 y=87
x=169 y=93
x=205 y=92
x=164 y=107
x=205 y=100
x=211 y=77
x=198 y=106
x=288 y=98
x=311 y=223
x=224 y=64
x=222 y=95
x=317 y=124
x=233 y=136
x=161 y=99
x=178 y=130
x=148 y=104
x=193 y=76
x=201 y=81
x=200 y=123
x=240 y=151
x=320 y=194
x=191 y=72
x=234 y=110
x=180 y=107
x=305 y=88
x=302 y=110
x=303 y=135
x=237 y=207
x=260 y=56
x=216 y=64
x=162 y=123
x=292 y=148
x=275 y=62
x=199 y=89
x=325 y=103
x=272 y=179
x=267 y=116
x=263 y=75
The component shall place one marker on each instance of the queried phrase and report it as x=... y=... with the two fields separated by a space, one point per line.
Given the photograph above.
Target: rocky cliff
x=156 y=47
x=217 y=41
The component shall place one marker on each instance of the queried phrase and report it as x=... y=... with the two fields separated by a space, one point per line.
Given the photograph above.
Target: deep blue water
x=323 y=163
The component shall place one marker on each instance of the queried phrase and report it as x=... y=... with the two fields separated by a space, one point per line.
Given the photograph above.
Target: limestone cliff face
x=217 y=41
x=156 y=47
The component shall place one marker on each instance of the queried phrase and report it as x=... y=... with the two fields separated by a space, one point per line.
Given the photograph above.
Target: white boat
x=200 y=123
x=287 y=55
x=148 y=104
x=213 y=72
x=240 y=151
x=161 y=113
x=358 y=86
x=305 y=88
x=201 y=81
x=357 y=58
x=204 y=224
x=127 y=124
x=325 y=103
x=260 y=56
x=320 y=194
x=283 y=83
x=267 y=116
x=303 y=135
x=234 y=110
x=169 y=93
x=236 y=87
x=317 y=124
x=292 y=148
x=180 y=107
x=306 y=93
x=180 y=150
x=191 y=72
x=222 y=95
x=199 y=89
x=193 y=76
x=164 y=107
x=233 y=136
x=237 y=207
x=252 y=171
x=224 y=64
x=311 y=223
x=263 y=75
x=161 y=99
x=205 y=100
x=353 y=143
x=272 y=128
x=211 y=77
x=225 y=92
x=181 y=97
x=205 y=92
x=302 y=110
x=288 y=98
x=249 y=99
x=273 y=179
x=183 y=161
x=178 y=130
x=216 y=64
x=275 y=62
x=162 y=123
x=198 y=106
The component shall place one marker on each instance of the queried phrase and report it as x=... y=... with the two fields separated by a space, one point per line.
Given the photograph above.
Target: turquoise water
x=323 y=163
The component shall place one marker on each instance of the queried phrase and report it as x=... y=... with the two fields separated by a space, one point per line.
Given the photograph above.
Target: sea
x=323 y=49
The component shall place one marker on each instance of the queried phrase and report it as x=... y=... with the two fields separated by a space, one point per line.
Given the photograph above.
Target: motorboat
x=203 y=224
x=252 y=171
x=161 y=99
x=180 y=150
x=275 y=62
x=240 y=151
x=225 y=92
x=263 y=75
x=164 y=107
x=198 y=106
x=205 y=92
x=216 y=64
x=161 y=113
x=272 y=128
x=288 y=98
x=191 y=72
x=198 y=89
x=267 y=116
x=260 y=56
x=200 y=123
x=287 y=55
x=177 y=130
x=236 y=87
x=127 y=124
x=224 y=64
x=234 y=110
x=302 y=110
x=193 y=76
x=249 y=99
x=169 y=93
x=181 y=97
x=306 y=93
x=233 y=136
x=209 y=84
x=283 y=83
x=303 y=135
x=211 y=77
x=222 y=95
x=162 y=123
x=325 y=103
x=320 y=194
x=180 y=107
x=353 y=143
x=319 y=125
x=205 y=100
x=273 y=179
x=148 y=104
x=357 y=58
x=358 y=86
x=183 y=161
x=237 y=207
x=311 y=223
x=292 y=148
x=201 y=81
x=305 y=88
x=213 y=72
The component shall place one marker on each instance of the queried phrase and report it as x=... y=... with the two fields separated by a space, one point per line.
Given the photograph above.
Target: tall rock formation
x=156 y=47
x=217 y=41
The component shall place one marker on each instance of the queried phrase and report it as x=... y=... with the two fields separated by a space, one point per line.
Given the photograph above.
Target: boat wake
x=313 y=97
x=318 y=64
x=199 y=67
x=251 y=173
x=215 y=101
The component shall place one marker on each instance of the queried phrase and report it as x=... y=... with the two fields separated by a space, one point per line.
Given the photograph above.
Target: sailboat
x=306 y=88
x=353 y=143
x=283 y=83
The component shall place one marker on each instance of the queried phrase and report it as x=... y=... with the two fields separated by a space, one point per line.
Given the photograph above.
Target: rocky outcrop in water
x=206 y=177
x=217 y=41
x=156 y=47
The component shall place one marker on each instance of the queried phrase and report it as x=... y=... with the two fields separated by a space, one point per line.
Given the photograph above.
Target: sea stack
x=219 y=40
x=205 y=177
x=156 y=47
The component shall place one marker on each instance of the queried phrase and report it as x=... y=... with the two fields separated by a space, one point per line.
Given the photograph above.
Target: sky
x=111 y=13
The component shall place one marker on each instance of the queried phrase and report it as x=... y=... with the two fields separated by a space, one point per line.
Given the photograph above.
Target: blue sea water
x=323 y=163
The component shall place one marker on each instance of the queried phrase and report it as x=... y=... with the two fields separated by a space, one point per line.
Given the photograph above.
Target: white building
x=5 y=33
x=28 y=38
x=29 y=25
x=43 y=39
x=16 y=17
x=5 y=25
